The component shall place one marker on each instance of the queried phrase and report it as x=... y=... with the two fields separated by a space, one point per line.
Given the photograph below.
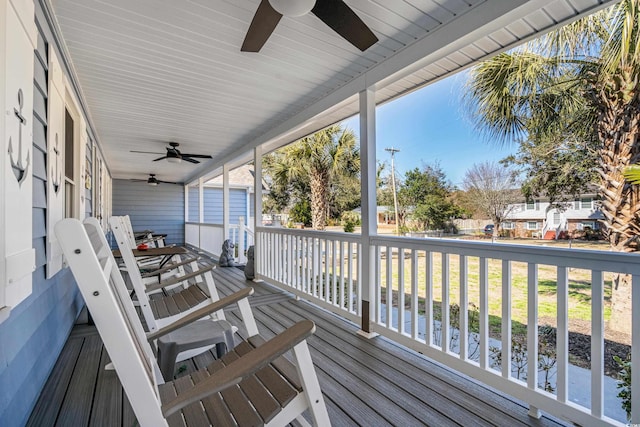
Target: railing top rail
x=204 y=224
x=331 y=235
x=575 y=258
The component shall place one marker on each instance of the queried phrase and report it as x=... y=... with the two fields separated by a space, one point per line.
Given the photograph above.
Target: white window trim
x=537 y=225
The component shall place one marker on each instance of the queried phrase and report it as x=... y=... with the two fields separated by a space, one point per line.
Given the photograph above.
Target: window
x=531 y=205
x=509 y=225
x=556 y=218
x=69 y=166
x=532 y=225
x=586 y=203
x=587 y=224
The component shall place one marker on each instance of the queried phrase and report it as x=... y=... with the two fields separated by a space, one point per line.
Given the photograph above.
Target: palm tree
x=326 y=156
x=580 y=81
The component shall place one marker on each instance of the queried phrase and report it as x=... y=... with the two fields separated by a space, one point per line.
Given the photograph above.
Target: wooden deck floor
x=365 y=382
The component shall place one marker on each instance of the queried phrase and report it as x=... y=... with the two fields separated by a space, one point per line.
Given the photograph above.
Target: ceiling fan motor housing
x=292 y=8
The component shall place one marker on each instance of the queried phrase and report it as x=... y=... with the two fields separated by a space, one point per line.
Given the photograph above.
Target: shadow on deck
x=366 y=382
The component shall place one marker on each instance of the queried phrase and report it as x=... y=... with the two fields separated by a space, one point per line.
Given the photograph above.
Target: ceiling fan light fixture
x=292 y=8
x=152 y=183
x=174 y=159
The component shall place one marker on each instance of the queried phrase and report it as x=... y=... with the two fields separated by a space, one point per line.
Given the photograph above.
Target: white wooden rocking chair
x=164 y=308
x=253 y=385
x=197 y=337
x=121 y=227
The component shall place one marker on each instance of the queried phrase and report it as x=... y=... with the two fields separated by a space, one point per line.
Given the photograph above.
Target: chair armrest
x=178 y=279
x=168 y=267
x=242 y=367
x=200 y=313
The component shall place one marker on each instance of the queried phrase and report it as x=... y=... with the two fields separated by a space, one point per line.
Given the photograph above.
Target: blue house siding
x=159 y=208
x=213 y=205
x=32 y=338
x=35 y=332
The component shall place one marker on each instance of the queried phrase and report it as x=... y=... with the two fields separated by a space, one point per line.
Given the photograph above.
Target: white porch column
x=257 y=203
x=368 y=203
x=225 y=201
x=200 y=200
x=186 y=203
x=200 y=210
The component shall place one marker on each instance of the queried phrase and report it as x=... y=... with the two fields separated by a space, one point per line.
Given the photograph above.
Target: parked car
x=488 y=230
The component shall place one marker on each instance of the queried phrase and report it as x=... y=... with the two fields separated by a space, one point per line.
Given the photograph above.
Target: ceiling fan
x=152 y=180
x=335 y=13
x=175 y=156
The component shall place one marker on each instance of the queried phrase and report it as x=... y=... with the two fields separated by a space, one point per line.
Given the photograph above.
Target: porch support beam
x=368 y=204
x=257 y=204
x=200 y=200
x=225 y=201
x=186 y=203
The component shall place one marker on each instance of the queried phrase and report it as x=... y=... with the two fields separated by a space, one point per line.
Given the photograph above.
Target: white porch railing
x=321 y=266
x=209 y=238
x=438 y=275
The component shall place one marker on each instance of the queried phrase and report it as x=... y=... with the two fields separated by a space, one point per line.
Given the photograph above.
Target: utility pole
x=393 y=151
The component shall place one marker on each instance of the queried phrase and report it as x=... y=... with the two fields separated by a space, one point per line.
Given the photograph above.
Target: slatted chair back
x=253 y=385
x=124 y=225
x=100 y=283
x=147 y=236
x=161 y=314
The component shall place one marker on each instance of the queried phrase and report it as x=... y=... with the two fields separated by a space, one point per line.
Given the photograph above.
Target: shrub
x=301 y=212
x=349 y=221
x=624 y=383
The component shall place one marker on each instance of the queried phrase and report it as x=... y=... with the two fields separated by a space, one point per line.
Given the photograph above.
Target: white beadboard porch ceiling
x=154 y=71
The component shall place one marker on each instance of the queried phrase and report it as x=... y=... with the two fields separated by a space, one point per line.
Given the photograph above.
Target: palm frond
x=632 y=174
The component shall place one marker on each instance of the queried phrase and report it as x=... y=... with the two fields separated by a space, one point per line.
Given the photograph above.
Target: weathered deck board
x=46 y=410
x=365 y=382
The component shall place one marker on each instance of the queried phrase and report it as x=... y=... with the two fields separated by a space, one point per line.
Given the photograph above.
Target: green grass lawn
x=579 y=288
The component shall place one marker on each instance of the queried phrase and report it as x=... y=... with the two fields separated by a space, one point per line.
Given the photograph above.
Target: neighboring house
x=241 y=183
x=539 y=219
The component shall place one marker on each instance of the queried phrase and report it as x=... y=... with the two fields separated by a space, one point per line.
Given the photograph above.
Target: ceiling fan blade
x=169 y=182
x=187 y=159
x=262 y=25
x=344 y=21
x=160 y=158
x=138 y=180
x=197 y=156
x=144 y=152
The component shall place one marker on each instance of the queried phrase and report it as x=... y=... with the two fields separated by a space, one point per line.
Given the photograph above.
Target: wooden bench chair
x=252 y=385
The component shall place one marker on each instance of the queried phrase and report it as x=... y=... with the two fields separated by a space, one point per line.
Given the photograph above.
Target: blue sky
x=429 y=125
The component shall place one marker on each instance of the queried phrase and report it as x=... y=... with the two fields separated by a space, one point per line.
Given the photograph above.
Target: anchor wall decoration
x=56 y=176
x=20 y=170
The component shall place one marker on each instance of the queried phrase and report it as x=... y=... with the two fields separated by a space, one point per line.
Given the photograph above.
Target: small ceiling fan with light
x=174 y=155
x=335 y=13
x=152 y=180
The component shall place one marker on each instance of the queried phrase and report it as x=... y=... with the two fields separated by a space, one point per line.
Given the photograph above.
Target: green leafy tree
x=427 y=192
x=559 y=167
x=435 y=212
x=301 y=212
x=307 y=169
